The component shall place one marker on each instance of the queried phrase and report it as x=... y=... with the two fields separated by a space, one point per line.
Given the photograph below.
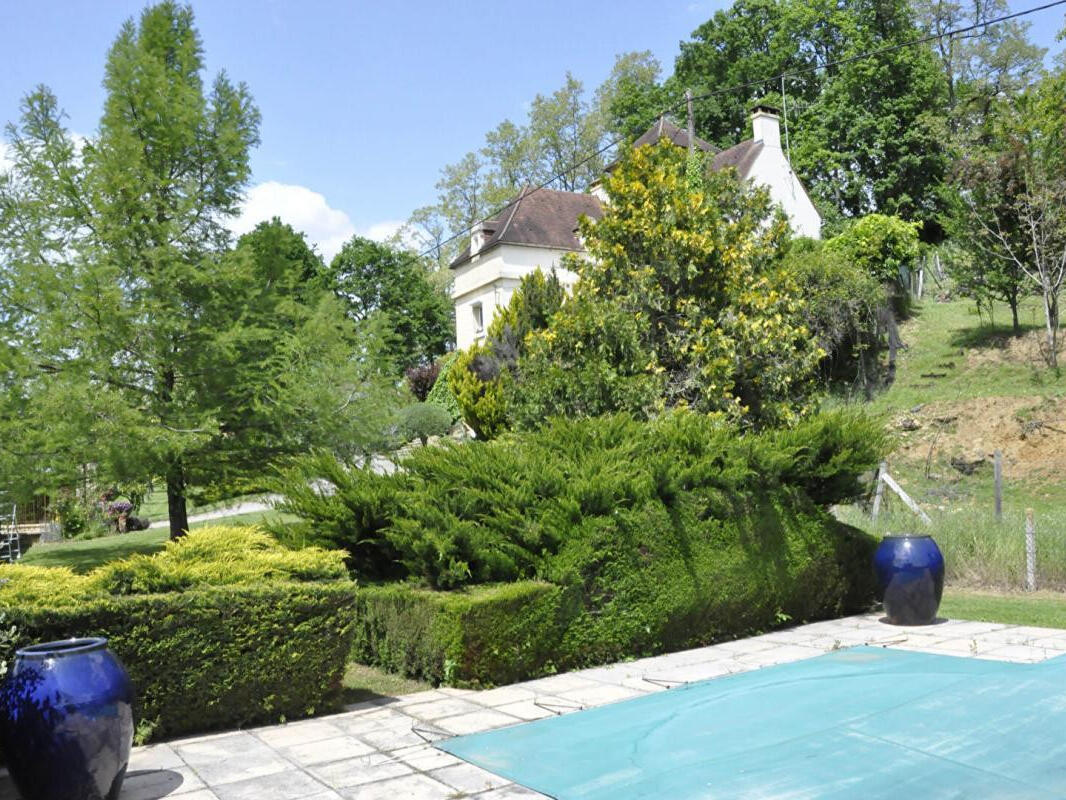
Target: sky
x=364 y=102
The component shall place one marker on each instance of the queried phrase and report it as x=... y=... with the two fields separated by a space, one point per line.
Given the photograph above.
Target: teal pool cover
x=865 y=722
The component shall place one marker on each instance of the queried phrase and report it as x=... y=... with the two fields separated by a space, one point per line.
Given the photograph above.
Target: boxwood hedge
x=225 y=628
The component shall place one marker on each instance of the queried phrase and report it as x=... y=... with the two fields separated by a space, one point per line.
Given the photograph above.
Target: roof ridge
x=514 y=210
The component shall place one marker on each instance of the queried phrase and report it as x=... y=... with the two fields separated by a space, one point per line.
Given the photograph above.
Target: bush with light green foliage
x=217 y=556
x=224 y=628
x=882 y=246
x=421 y=421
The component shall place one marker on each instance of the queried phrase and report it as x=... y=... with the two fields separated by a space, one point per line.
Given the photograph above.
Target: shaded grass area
x=1042 y=609
x=82 y=556
x=361 y=683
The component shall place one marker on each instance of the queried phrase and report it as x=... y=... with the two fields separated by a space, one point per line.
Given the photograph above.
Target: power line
x=748 y=85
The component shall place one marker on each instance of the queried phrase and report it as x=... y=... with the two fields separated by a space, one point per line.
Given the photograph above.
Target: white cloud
x=5 y=159
x=306 y=210
x=381 y=231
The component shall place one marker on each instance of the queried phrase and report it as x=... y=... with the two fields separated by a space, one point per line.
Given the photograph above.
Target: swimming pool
x=864 y=722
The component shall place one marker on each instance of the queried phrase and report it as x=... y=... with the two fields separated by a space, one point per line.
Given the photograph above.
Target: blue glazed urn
x=66 y=722
x=910 y=573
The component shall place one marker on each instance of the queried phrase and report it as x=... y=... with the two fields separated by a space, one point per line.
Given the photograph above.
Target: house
x=539 y=226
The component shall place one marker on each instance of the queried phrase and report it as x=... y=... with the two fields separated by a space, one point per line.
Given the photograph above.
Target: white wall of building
x=772 y=170
x=490 y=279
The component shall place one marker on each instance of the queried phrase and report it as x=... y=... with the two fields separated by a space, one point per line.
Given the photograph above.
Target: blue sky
x=364 y=102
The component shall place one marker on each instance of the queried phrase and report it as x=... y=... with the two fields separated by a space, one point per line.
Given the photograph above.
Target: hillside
x=964 y=389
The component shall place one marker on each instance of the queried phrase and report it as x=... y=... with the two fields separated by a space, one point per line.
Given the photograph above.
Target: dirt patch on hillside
x=1028 y=349
x=1030 y=431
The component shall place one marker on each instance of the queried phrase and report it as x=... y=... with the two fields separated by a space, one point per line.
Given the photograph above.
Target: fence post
x=998 y=470
x=1030 y=551
x=880 y=490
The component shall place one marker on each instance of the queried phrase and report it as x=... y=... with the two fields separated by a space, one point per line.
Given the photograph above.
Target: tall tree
x=1013 y=186
x=742 y=46
x=143 y=346
x=374 y=279
x=982 y=64
x=562 y=129
x=866 y=134
x=631 y=97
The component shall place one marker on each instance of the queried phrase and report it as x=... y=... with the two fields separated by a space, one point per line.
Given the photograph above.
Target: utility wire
x=781 y=77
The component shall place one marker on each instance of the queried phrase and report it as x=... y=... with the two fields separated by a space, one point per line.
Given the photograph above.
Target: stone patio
x=383 y=749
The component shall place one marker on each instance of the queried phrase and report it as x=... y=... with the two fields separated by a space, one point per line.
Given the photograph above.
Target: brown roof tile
x=740 y=156
x=540 y=218
x=665 y=129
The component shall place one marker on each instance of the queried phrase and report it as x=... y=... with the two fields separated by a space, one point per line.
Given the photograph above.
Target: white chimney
x=766 y=126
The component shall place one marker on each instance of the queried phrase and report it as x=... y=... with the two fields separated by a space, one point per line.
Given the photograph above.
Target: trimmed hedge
x=224 y=628
x=787 y=566
x=483 y=636
x=218 y=657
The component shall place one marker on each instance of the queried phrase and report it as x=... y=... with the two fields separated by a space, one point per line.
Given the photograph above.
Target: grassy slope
x=948 y=338
x=940 y=334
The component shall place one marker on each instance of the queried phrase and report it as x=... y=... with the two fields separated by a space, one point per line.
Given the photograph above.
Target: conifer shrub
x=656 y=536
x=421 y=421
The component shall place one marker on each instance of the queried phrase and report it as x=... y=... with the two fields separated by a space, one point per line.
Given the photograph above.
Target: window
x=479 y=319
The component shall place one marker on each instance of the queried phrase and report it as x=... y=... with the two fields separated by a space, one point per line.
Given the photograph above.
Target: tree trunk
x=1051 y=319
x=1013 y=301
x=176 y=505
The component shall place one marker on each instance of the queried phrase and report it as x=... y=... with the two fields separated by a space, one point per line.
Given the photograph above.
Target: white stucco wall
x=491 y=278
x=772 y=170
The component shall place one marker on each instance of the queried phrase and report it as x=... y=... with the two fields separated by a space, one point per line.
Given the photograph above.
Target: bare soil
x=1028 y=349
x=1030 y=431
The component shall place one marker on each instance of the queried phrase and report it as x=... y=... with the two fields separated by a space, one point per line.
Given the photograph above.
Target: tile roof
x=740 y=156
x=665 y=129
x=540 y=218
x=548 y=218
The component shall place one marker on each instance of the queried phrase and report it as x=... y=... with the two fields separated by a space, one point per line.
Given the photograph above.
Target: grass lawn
x=82 y=556
x=361 y=682
x=154 y=506
x=1042 y=609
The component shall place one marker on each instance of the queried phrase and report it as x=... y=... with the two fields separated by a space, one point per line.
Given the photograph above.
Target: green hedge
x=224 y=628
x=485 y=635
x=217 y=657
x=785 y=567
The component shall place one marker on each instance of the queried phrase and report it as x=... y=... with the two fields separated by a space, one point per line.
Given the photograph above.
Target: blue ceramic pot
x=910 y=572
x=66 y=721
